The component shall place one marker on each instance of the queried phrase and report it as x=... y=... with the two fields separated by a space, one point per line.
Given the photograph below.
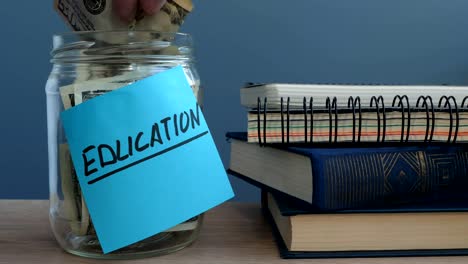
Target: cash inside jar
x=85 y=67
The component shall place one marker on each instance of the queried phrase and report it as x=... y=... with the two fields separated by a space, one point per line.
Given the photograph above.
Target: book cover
x=342 y=178
x=290 y=207
x=320 y=92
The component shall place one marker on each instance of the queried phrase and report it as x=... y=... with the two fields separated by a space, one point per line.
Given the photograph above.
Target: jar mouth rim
x=81 y=33
x=119 y=45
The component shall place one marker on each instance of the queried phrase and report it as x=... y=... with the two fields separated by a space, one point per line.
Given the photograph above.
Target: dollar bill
x=190 y=224
x=97 y=15
x=75 y=207
x=72 y=196
x=80 y=91
x=92 y=15
x=85 y=219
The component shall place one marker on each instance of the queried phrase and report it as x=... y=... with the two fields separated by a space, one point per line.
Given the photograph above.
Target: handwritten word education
x=97 y=157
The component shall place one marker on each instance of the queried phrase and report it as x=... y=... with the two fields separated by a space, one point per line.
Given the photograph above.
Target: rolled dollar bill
x=92 y=15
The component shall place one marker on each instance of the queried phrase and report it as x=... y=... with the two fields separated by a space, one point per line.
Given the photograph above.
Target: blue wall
x=361 y=41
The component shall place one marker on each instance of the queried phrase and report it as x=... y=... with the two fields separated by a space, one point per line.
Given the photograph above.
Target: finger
x=125 y=9
x=150 y=7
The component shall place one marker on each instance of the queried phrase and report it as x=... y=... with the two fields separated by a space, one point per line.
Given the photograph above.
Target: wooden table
x=232 y=233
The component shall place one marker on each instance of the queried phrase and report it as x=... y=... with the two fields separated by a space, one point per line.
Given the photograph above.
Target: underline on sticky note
x=147 y=158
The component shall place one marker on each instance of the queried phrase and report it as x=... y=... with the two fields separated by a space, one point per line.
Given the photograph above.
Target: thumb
x=150 y=7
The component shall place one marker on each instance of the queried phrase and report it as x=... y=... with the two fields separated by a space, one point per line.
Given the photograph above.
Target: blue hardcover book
x=300 y=231
x=349 y=177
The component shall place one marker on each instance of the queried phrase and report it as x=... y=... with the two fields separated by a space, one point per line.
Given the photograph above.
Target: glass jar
x=86 y=65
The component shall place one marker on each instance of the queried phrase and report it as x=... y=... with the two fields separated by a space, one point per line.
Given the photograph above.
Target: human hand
x=126 y=9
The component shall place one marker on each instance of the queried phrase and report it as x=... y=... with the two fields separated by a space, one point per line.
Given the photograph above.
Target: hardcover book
x=341 y=178
x=416 y=230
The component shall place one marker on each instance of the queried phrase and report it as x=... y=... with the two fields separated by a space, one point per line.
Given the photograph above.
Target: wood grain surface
x=231 y=233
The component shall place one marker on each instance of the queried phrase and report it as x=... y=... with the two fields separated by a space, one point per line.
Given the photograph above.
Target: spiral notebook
x=354 y=114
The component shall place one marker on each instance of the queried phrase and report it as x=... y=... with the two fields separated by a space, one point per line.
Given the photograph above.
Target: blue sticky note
x=145 y=159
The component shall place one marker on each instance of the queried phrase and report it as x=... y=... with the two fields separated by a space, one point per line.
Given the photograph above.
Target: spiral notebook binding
x=461 y=107
x=332 y=105
x=259 y=107
x=282 y=121
x=379 y=100
x=448 y=104
x=426 y=106
x=304 y=109
x=402 y=99
x=287 y=113
x=463 y=102
x=352 y=102
x=423 y=104
x=353 y=107
x=311 y=108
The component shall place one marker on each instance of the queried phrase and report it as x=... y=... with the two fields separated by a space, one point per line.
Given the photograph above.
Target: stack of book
x=355 y=171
